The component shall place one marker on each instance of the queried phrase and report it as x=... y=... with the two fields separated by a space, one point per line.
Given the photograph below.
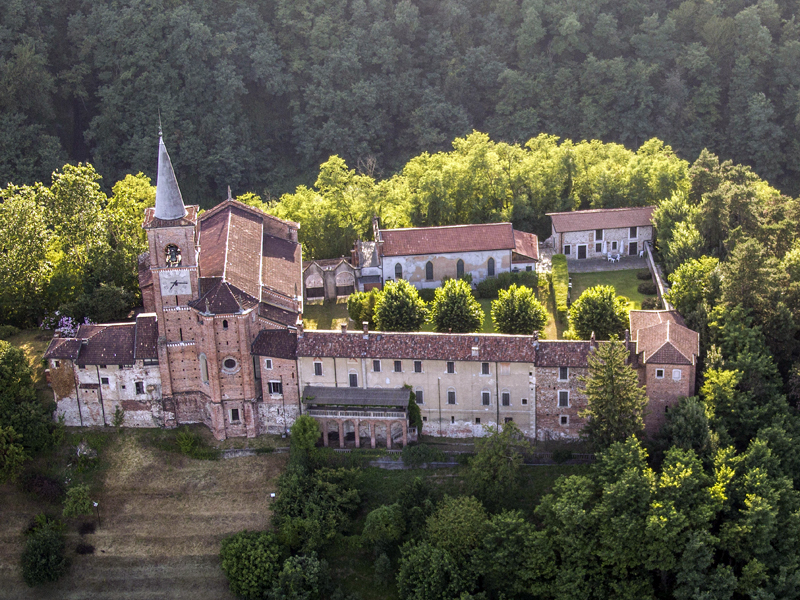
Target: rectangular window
x=234 y=415
x=484 y=368
x=318 y=369
x=634 y=232
x=613 y=245
x=506 y=397
x=563 y=399
x=563 y=373
x=508 y=420
x=451 y=396
x=564 y=419
x=120 y=367
x=376 y=366
x=598 y=248
x=275 y=388
x=659 y=373
x=150 y=361
x=598 y=235
x=676 y=374
x=420 y=396
x=102 y=366
x=486 y=398
x=451 y=366
x=56 y=364
x=268 y=364
x=140 y=387
x=104 y=380
x=452 y=420
x=424 y=419
x=81 y=367
x=398 y=366
x=524 y=401
x=353 y=379
x=417 y=366
x=567 y=249
x=477 y=421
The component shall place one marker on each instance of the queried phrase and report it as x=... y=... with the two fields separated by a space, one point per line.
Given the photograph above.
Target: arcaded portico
x=371 y=413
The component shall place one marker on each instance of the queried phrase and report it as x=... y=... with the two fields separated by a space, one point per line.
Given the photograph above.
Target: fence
x=655 y=271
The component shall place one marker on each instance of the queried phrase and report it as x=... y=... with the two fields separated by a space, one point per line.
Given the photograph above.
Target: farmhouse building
x=583 y=234
x=222 y=341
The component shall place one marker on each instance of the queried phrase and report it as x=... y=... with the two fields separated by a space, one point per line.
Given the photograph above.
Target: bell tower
x=172 y=239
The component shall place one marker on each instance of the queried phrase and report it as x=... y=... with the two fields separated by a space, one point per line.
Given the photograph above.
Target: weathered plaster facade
x=476 y=264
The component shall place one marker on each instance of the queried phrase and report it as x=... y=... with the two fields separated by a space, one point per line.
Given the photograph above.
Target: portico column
x=341 y=433
x=358 y=433
x=325 y=433
x=372 y=433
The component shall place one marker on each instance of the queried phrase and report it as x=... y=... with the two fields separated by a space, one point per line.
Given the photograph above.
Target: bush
x=6 y=331
x=190 y=444
x=648 y=288
x=77 y=501
x=518 y=311
x=43 y=559
x=419 y=454
x=251 y=561
x=84 y=548
x=383 y=569
x=643 y=274
x=560 y=285
x=561 y=455
x=651 y=303
x=490 y=287
x=427 y=294
x=455 y=309
x=44 y=487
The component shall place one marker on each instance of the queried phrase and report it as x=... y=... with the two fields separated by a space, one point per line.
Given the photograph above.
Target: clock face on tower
x=175 y=283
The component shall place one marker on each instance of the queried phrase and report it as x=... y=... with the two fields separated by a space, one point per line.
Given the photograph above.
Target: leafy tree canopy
x=455 y=309
x=518 y=311
x=600 y=311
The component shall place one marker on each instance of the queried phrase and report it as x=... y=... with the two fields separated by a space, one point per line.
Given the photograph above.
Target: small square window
x=140 y=387
x=398 y=366
x=318 y=369
x=424 y=419
x=486 y=398
x=122 y=386
x=508 y=420
x=524 y=401
x=676 y=374
x=56 y=363
x=564 y=420
x=613 y=245
x=484 y=368
x=563 y=373
x=268 y=364
x=567 y=249
x=104 y=380
x=102 y=366
x=353 y=379
x=477 y=421
x=376 y=366
x=451 y=396
x=275 y=388
x=417 y=366
x=81 y=367
x=598 y=247
x=659 y=373
x=120 y=367
x=420 y=396
x=563 y=399
x=234 y=415
x=451 y=366
x=506 y=397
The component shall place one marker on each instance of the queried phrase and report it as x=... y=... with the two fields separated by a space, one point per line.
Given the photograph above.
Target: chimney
x=300 y=329
x=344 y=327
x=592 y=341
x=365 y=328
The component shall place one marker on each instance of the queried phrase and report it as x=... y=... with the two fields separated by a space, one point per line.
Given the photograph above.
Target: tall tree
x=455 y=309
x=518 y=311
x=399 y=307
x=600 y=311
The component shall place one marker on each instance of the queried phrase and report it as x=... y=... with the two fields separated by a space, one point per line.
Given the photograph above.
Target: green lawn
x=329 y=315
x=624 y=282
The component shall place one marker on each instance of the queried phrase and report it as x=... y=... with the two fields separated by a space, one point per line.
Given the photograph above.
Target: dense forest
x=256 y=95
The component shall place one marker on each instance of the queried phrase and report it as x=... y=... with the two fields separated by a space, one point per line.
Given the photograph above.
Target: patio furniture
x=610 y=258
x=641 y=253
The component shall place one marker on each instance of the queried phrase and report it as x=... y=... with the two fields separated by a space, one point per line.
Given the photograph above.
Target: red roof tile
x=526 y=245
x=559 y=353
x=641 y=319
x=602 y=218
x=146 y=337
x=224 y=298
x=68 y=348
x=455 y=238
x=276 y=343
x=278 y=315
x=668 y=343
x=110 y=345
x=150 y=219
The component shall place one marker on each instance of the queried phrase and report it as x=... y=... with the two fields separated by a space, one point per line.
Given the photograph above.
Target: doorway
x=581 y=251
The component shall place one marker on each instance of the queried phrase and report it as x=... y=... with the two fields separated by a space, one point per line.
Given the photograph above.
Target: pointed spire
x=169 y=202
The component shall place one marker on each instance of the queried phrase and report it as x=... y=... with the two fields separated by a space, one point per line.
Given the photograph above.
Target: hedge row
x=560 y=285
x=489 y=288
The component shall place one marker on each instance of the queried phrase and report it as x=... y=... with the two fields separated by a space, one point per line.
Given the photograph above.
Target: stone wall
x=554 y=421
x=611 y=237
x=444 y=265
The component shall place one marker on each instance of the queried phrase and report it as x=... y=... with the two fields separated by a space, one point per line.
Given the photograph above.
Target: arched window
x=491 y=267
x=429 y=271
x=225 y=323
x=172 y=255
x=459 y=269
x=203 y=368
x=398 y=271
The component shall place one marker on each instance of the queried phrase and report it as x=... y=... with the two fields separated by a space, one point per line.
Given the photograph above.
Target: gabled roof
x=276 y=343
x=189 y=220
x=109 y=344
x=347 y=396
x=526 y=245
x=68 y=348
x=661 y=338
x=602 y=218
x=454 y=238
x=222 y=299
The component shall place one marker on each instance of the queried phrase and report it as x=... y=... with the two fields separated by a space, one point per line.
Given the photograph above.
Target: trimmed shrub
x=560 y=286
x=489 y=288
x=651 y=303
x=427 y=294
x=43 y=559
x=643 y=274
x=648 y=288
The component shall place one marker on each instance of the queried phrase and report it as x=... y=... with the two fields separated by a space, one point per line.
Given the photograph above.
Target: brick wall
x=549 y=422
x=664 y=392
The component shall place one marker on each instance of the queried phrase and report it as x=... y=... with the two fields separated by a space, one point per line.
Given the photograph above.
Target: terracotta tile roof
x=641 y=319
x=668 y=344
x=224 y=298
x=347 y=396
x=455 y=238
x=276 y=343
x=419 y=346
x=146 y=337
x=324 y=262
x=602 y=218
x=87 y=331
x=282 y=261
x=278 y=315
x=68 y=348
x=109 y=345
x=213 y=240
x=526 y=245
x=561 y=353
x=150 y=219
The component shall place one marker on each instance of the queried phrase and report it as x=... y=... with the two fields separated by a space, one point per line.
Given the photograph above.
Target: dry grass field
x=162 y=518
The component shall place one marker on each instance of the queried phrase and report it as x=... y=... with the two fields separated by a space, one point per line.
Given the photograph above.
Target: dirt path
x=162 y=515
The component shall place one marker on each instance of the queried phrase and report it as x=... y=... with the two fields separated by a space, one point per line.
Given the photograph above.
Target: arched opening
x=225 y=323
x=203 y=368
x=429 y=271
x=314 y=286
x=172 y=255
x=398 y=271
x=491 y=267
x=459 y=269
x=345 y=283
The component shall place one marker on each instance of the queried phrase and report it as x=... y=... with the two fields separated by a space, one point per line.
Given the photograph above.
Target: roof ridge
x=591 y=210
x=447 y=226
